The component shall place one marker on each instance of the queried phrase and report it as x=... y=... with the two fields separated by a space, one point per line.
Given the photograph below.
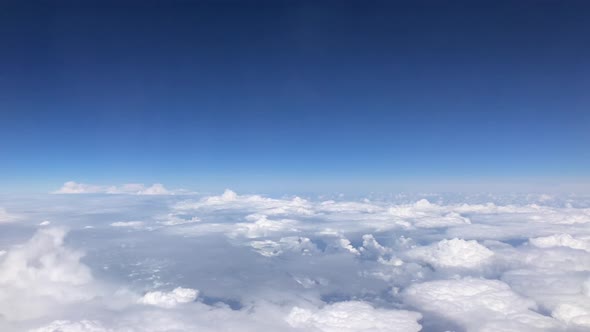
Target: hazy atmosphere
x=322 y=166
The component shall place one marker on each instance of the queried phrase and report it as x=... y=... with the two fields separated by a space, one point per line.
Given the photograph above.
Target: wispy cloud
x=6 y=217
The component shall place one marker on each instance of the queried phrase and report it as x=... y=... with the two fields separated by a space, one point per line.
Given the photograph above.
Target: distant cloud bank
x=72 y=187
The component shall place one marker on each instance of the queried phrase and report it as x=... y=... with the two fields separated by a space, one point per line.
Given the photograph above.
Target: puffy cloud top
x=453 y=253
x=288 y=264
x=41 y=273
x=561 y=240
x=170 y=299
x=354 y=316
x=478 y=304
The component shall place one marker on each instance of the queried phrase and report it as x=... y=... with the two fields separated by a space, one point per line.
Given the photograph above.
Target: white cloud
x=41 y=274
x=6 y=217
x=155 y=189
x=289 y=264
x=267 y=248
x=295 y=244
x=453 y=253
x=354 y=316
x=229 y=200
x=371 y=248
x=565 y=294
x=561 y=240
x=69 y=326
x=573 y=315
x=347 y=245
x=557 y=258
x=427 y=215
x=170 y=299
x=261 y=226
x=478 y=305
x=348 y=207
x=72 y=187
x=173 y=219
x=130 y=224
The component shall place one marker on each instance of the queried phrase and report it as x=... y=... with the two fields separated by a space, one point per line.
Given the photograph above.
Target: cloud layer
x=231 y=262
x=72 y=187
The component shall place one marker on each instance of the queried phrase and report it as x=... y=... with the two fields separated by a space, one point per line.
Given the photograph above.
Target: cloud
x=131 y=224
x=329 y=263
x=372 y=249
x=6 y=217
x=72 y=187
x=561 y=240
x=478 y=305
x=427 y=215
x=230 y=200
x=41 y=274
x=354 y=316
x=69 y=326
x=573 y=315
x=170 y=299
x=155 y=189
x=261 y=226
x=293 y=244
x=453 y=253
x=347 y=245
x=173 y=219
x=564 y=293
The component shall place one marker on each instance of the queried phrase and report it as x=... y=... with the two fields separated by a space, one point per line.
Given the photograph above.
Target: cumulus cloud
x=373 y=249
x=562 y=292
x=573 y=315
x=261 y=226
x=453 y=253
x=230 y=200
x=155 y=189
x=561 y=240
x=478 y=305
x=40 y=274
x=330 y=263
x=354 y=316
x=384 y=216
x=72 y=187
x=293 y=244
x=170 y=299
x=427 y=215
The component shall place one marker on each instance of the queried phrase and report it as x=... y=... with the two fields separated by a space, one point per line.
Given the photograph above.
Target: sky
x=297 y=166
x=318 y=95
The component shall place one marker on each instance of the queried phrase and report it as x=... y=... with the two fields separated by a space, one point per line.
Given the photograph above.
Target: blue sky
x=267 y=95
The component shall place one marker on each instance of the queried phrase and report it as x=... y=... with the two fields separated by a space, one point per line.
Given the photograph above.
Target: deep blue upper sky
x=215 y=93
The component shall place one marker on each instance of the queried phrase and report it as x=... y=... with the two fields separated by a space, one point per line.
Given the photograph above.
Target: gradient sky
x=268 y=94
